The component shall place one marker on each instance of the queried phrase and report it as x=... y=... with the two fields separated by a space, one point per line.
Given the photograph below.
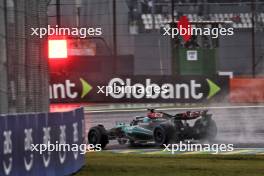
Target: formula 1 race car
x=158 y=127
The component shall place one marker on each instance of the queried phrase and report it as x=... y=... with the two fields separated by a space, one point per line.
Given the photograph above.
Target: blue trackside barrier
x=19 y=132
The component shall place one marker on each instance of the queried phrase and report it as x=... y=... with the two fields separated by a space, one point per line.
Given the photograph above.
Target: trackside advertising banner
x=19 y=132
x=138 y=89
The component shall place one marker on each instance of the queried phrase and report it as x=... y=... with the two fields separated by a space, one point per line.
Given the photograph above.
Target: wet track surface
x=243 y=127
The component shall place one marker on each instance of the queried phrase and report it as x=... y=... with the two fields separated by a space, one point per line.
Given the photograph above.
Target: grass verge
x=111 y=164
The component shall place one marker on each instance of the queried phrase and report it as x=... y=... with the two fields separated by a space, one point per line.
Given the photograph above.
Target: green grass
x=110 y=164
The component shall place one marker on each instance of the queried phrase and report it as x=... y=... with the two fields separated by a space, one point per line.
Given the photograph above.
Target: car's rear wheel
x=205 y=130
x=211 y=130
x=98 y=135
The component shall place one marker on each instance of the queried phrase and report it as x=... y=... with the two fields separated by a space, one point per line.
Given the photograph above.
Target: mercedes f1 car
x=158 y=127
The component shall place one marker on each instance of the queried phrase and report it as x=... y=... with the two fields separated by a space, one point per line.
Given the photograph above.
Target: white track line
x=173 y=108
x=250 y=148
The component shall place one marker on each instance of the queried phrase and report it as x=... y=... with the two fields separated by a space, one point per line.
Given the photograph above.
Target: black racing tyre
x=98 y=135
x=205 y=131
x=197 y=128
x=132 y=143
x=211 y=130
x=163 y=134
x=122 y=141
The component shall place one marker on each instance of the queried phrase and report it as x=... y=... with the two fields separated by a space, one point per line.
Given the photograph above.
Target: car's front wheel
x=163 y=134
x=98 y=135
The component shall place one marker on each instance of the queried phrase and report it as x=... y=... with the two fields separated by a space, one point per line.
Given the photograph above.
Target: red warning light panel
x=57 y=49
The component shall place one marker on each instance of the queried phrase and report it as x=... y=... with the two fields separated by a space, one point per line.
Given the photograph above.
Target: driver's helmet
x=146 y=120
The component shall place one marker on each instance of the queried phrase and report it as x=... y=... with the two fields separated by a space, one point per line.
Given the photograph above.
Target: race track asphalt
x=243 y=127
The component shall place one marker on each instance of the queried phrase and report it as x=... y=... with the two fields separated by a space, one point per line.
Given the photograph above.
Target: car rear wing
x=188 y=115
